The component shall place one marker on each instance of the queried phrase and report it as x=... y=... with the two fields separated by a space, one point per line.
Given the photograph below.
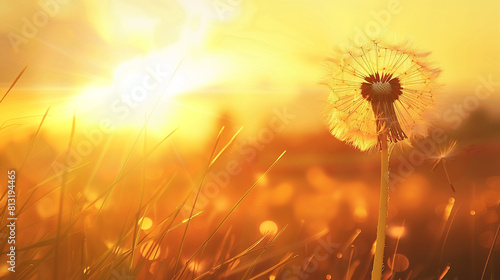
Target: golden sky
x=82 y=53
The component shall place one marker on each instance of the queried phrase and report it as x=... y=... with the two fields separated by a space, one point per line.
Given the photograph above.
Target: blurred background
x=147 y=86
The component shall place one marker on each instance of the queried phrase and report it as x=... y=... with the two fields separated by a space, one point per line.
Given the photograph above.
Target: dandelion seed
x=379 y=90
x=445 y=152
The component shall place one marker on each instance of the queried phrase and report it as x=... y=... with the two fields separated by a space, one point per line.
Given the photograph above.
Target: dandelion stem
x=447 y=176
x=382 y=215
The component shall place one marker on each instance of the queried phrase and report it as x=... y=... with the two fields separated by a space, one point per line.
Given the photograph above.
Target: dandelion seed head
x=446 y=150
x=379 y=90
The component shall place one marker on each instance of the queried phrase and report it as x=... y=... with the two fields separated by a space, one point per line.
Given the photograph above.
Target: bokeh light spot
x=396 y=231
x=221 y=204
x=360 y=214
x=145 y=223
x=150 y=250
x=195 y=266
x=263 y=179
x=268 y=228
x=448 y=208
x=400 y=263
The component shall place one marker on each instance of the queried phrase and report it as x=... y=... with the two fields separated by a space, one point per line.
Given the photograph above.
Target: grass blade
x=14 y=83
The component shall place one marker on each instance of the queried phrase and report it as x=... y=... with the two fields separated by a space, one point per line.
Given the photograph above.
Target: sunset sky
x=83 y=54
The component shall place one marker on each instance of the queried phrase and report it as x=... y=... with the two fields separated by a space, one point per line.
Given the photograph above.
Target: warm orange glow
x=150 y=250
x=195 y=266
x=396 y=232
x=448 y=208
x=222 y=204
x=268 y=228
x=372 y=250
x=360 y=214
x=281 y=194
x=145 y=223
x=491 y=217
x=109 y=244
x=263 y=180
x=414 y=192
x=486 y=238
x=491 y=198
x=318 y=178
x=93 y=199
x=398 y=263
x=47 y=207
x=4 y=270
x=493 y=182
x=153 y=269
